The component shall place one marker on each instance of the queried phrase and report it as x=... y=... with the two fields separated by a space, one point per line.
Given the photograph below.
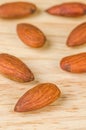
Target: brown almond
x=74 y=63
x=30 y=35
x=38 y=97
x=77 y=36
x=14 y=69
x=72 y=9
x=16 y=10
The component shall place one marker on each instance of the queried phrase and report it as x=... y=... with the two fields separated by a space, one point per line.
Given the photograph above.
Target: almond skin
x=72 y=9
x=77 y=36
x=14 y=69
x=31 y=35
x=16 y=10
x=75 y=63
x=38 y=97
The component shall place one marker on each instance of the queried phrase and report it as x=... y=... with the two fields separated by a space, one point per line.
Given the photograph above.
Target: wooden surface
x=67 y=113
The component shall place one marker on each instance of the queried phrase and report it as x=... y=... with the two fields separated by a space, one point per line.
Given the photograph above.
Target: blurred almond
x=15 y=69
x=16 y=10
x=77 y=36
x=31 y=35
x=72 y=9
x=74 y=63
x=38 y=97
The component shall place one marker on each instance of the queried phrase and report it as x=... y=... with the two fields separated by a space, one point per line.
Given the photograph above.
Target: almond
x=16 y=10
x=15 y=69
x=75 y=63
x=77 y=36
x=30 y=35
x=72 y=9
x=38 y=97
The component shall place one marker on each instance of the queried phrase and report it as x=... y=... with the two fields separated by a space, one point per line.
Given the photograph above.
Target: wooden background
x=67 y=113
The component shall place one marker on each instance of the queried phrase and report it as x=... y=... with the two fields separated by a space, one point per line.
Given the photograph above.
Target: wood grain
x=67 y=113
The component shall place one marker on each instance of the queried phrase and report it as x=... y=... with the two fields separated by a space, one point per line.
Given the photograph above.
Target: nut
x=14 y=69
x=74 y=63
x=16 y=10
x=77 y=36
x=30 y=35
x=72 y=9
x=38 y=97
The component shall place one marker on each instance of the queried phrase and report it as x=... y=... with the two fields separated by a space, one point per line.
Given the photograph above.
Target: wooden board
x=67 y=113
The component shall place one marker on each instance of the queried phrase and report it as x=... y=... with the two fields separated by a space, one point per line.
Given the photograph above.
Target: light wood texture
x=67 y=113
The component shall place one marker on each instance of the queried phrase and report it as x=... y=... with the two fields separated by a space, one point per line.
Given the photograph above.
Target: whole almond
x=74 y=63
x=15 y=69
x=77 y=36
x=16 y=10
x=30 y=35
x=38 y=97
x=72 y=9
